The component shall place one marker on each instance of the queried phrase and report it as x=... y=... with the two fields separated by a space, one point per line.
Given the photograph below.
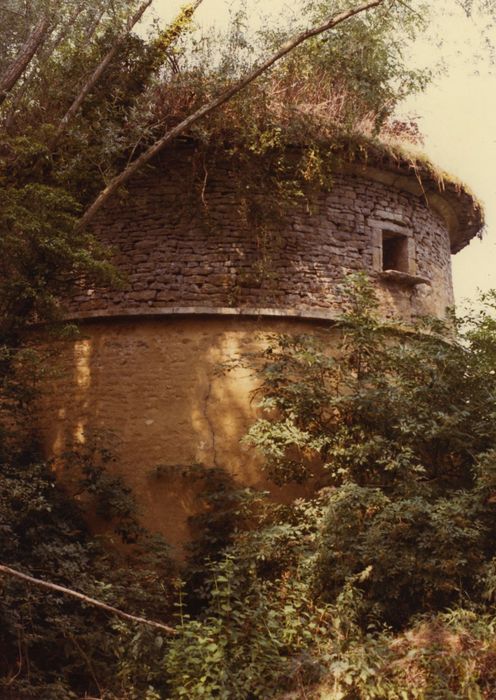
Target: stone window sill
x=403 y=278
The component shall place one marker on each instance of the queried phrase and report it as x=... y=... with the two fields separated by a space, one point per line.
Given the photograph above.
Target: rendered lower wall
x=151 y=388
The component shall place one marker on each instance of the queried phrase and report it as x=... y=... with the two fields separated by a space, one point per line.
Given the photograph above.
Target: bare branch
x=151 y=152
x=19 y=65
x=85 y=599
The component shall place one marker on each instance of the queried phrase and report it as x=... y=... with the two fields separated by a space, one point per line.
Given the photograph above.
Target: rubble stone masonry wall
x=182 y=250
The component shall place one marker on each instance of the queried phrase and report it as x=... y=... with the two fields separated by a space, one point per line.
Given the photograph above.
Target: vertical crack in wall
x=208 y=421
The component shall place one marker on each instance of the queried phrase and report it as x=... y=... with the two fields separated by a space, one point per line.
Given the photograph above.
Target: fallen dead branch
x=85 y=599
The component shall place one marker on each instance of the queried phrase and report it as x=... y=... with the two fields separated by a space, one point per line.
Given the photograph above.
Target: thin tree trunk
x=98 y=72
x=19 y=65
x=44 y=54
x=151 y=152
x=84 y=598
x=93 y=26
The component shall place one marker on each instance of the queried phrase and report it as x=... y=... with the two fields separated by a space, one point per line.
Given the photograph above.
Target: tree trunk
x=44 y=54
x=151 y=152
x=17 y=68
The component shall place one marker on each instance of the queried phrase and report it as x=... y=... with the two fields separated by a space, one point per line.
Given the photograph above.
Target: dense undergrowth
x=381 y=584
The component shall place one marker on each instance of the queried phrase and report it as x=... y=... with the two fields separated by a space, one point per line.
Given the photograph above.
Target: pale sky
x=458 y=119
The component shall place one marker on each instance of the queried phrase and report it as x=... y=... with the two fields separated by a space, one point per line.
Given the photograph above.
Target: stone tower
x=144 y=367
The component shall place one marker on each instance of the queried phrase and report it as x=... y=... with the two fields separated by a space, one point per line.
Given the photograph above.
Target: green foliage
x=40 y=253
x=50 y=645
x=403 y=438
x=395 y=429
x=380 y=584
x=252 y=640
x=393 y=434
x=449 y=655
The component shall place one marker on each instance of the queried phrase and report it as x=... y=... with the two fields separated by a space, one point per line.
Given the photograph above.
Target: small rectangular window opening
x=394 y=252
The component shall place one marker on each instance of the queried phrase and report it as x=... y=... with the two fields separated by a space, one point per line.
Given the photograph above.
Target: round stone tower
x=194 y=295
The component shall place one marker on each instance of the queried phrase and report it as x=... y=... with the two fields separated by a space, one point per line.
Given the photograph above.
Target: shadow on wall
x=156 y=386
